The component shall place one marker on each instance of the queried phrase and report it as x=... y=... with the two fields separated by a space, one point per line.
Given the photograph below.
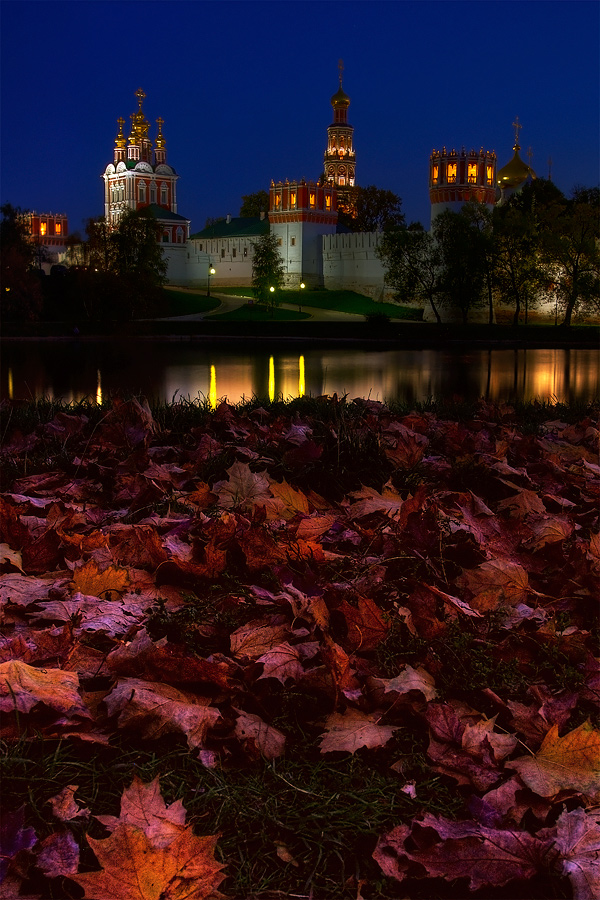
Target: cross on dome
x=517 y=126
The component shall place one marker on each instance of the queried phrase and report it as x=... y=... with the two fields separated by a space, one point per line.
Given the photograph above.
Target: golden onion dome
x=340 y=100
x=515 y=172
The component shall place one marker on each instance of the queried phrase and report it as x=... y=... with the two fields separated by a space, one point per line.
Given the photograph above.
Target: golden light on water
x=11 y=389
x=301 y=379
x=212 y=388
x=98 y=387
x=271 y=379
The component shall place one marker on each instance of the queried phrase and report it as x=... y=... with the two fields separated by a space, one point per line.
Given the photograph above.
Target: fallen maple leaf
x=550 y=530
x=486 y=856
x=64 y=806
x=268 y=740
x=14 y=557
x=142 y=805
x=368 y=501
x=22 y=687
x=155 y=709
x=58 y=854
x=133 y=868
x=282 y=662
x=412 y=680
x=89 y=579
x=242 y=488
x=286 y=503
x=564 y=763
x=508 y=580
x=353 y=729
x=577 y=839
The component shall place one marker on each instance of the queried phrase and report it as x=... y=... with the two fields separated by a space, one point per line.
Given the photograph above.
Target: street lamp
x=272 y=290
x=211 y=271
x=302 y=286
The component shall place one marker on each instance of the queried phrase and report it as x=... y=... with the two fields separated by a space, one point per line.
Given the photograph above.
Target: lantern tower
x=455 y=178
x=340 y=156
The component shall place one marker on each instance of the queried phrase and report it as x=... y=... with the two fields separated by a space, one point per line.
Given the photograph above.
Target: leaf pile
x=406 y=579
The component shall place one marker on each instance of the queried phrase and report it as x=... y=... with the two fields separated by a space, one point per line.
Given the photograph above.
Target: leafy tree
x=372 y=209
x=570 y=232
x=518 y=274
x=255 y=204
x=21 y=293
x=267 y=268
x=479 y=217
x=461 y=245
x=413 y=265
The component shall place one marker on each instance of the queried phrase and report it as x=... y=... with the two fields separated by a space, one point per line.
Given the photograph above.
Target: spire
x=517 y=126
x=160 y=143
x=120 y=140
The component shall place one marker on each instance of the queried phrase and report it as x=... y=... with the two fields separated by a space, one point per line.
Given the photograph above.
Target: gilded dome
x=340 y=99
x=515 y=172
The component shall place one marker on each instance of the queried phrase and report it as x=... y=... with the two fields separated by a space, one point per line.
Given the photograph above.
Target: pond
x=167 y=370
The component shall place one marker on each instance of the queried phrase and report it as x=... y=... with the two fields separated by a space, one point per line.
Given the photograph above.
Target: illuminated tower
x=455 y=178
x=139 y=178
x=340 y=157
x=515 y=173
x=300 y=213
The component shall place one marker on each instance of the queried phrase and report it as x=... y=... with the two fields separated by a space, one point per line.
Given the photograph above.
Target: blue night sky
x=244 y=88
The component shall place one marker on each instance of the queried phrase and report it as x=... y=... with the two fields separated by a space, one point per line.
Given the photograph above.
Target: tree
x=254 y=204
x=372 y=209
x=267 y=268
x=126 y=268
x=570 y=232
x=413 y=265
x=21 y=293
x=517 y=271
x=461 y=246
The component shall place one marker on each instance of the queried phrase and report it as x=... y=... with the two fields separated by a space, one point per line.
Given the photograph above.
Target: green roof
x=164 y=215
x=236 y=227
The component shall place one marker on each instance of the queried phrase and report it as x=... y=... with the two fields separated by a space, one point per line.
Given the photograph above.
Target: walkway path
x=230 y=303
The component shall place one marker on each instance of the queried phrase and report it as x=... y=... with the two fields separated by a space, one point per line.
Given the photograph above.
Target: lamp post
x=272 y=292
x=302 y=286
x=211 y=271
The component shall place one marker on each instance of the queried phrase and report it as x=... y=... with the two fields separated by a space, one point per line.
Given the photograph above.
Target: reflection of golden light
x=10 y=385
x=271 y=379
x=301 y=381
x=212 y=388
x=98 y=387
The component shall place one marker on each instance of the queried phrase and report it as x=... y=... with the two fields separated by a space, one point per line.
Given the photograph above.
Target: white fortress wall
x=350 y=263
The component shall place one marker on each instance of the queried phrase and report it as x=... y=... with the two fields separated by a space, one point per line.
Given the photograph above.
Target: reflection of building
x=140 y=178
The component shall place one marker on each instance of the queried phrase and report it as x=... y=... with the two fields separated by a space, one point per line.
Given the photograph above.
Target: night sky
x=244 y=89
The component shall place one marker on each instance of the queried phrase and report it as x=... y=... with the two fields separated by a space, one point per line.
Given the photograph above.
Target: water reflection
x=73 y=371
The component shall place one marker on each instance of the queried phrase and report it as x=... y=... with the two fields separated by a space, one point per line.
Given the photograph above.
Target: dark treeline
x=114 y=274
x=538 y=246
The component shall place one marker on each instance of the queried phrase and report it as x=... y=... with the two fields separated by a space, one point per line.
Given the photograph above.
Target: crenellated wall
x=350 y=263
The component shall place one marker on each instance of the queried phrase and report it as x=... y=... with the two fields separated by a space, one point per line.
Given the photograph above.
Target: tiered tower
x=340 y=157
x=455 y=178
x=139 y=178
x=300 y=213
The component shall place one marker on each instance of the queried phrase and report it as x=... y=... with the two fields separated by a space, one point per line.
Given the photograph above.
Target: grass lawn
x=341 y=301
x=184 y=303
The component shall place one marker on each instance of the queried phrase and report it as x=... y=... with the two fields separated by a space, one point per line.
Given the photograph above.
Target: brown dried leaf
x=353 y=729
x=269 y=741
x=569 y=763
x=89 y=579
x=22 y=687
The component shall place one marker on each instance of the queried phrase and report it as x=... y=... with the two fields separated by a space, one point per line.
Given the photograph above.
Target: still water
x=167 y=370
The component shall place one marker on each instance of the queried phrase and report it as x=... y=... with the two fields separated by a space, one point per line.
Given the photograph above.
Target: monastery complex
x=303 y=215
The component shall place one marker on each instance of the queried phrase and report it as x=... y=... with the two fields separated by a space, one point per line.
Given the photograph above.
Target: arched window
x=153 y=193
x=163 y=194
x=142 y=192
x=179 y=238
x=451 y=173
x=472 y=173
